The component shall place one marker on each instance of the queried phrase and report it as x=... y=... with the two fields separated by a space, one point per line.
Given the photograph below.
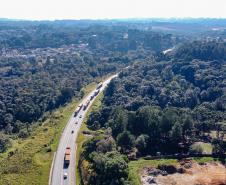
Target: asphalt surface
x=68 y=139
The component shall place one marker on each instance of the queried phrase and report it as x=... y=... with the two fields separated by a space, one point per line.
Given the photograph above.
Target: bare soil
x=189 y=173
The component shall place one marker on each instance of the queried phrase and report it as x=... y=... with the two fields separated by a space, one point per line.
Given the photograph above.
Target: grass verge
x=28 y=161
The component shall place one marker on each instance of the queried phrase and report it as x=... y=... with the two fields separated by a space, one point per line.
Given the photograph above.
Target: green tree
x=142 y=143
x=119 y=121
x=125 y=140
x=4 y=143
x=176 y=133
x=108 y=169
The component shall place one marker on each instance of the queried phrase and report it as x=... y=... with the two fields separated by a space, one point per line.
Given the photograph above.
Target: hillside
x=162 y=107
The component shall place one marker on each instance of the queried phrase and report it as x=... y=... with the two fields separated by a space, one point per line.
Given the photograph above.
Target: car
x=65 y=175
x=80 y=116
x=72 y=131
x=76 y=122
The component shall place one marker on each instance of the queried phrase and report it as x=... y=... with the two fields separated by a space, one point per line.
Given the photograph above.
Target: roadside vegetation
x=29 y=159
x=84 y=134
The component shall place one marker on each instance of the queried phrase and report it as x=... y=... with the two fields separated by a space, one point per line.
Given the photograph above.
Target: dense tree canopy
x=167 y=105
x=42 y=66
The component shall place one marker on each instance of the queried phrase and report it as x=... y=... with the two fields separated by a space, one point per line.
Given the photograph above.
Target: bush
x=23 y=134
x=201 y=148
x=109 y=168
x=170 y=169
x=4 y=143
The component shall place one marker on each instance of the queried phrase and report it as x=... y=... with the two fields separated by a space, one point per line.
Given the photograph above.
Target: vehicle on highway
x=76 y=122
x=86 y=104
x=65 y=175
x=99 y=85
x=78 y=109
x=67 y=156
x=72 y=131
x=96 y=92
x=91 y=97
x=80 y=116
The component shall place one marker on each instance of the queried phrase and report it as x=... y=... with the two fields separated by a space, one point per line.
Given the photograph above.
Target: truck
x=86 y=104
x=96 y=92
x=78 y=109
x=99 y=85
x=67 y=156
x=91 y=97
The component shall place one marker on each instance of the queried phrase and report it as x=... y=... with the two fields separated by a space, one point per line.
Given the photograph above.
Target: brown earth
x=211 y=173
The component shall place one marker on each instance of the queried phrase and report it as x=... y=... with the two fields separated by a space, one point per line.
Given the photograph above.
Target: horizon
x=108 y=9
x=117 y=19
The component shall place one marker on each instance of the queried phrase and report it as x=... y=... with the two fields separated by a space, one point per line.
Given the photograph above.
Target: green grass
x=201 y=147
x=32 y=157
x=81 y=137
x=136 y=166
x=204 y=159
x=207 y=159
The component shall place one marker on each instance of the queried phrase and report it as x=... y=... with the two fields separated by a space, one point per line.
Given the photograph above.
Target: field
x=135 y=167
x=208 y=173
x=29 y=160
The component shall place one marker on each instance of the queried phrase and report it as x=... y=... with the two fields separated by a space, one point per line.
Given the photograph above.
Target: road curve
x=68 y=139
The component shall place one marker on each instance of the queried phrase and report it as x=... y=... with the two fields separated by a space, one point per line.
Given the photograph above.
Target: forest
x=161 y=106
x=44 y=65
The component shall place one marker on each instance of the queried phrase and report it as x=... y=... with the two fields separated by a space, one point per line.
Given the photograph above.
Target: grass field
x=30 y=159
x=81 y=137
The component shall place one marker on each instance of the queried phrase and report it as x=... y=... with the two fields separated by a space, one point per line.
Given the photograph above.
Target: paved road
x=68 y=139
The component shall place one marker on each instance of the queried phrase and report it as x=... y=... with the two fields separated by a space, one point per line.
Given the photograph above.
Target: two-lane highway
x=68 y=139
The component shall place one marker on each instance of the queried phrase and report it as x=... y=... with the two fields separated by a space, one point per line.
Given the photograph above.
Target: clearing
x=186 y=172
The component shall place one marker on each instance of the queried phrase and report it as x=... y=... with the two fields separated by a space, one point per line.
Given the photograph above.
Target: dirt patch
x=187 y=173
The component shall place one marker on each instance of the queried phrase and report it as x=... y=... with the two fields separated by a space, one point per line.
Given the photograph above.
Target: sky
x=111 y=9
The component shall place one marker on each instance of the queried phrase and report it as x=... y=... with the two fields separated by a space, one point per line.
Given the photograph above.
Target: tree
x=188 y=126
x=90 y=146
x=142 y=143
x=4 y=143
x=147 y=121
x=108 y=169
x=106 y=145
x=168 y=119
x=93 y=120
x=176 y=133
x=125 y=140
x=119 y=121
x=218 y=147
x=111 y=88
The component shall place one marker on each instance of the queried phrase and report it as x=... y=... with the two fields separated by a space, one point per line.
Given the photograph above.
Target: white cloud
x=78 y=9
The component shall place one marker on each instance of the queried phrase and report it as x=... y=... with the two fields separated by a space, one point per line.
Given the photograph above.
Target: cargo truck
x=67 y=156
x=77 y=110
x=86 y=104
x=96 y=92
x=99 y=85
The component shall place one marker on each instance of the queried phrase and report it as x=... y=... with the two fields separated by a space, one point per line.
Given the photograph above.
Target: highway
x=68 y=139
